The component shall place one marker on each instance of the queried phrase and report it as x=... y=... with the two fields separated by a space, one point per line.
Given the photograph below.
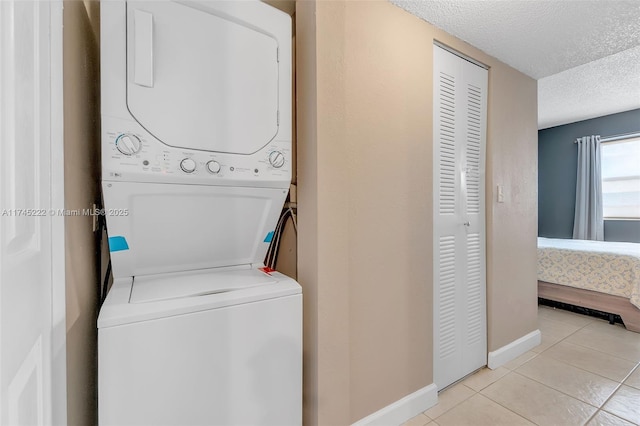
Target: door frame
x=58 y=277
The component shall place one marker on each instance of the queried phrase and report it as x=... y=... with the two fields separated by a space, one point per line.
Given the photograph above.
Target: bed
x=599 y=275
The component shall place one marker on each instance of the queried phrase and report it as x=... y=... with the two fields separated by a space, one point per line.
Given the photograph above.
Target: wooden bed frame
x=593 y=300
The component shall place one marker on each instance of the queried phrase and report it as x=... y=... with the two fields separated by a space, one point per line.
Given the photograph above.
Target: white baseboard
x=513 y=350
x=402 y=410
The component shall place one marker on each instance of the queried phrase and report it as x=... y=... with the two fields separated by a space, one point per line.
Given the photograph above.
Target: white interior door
x=460 y=110
x=32 y=329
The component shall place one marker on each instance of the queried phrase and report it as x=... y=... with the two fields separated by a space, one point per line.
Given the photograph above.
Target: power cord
x=272 y=252
x=102 y=284
x=105 y=283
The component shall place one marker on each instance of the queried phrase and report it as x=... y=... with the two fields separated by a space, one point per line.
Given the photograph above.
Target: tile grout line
x=594 y=415
x=433 y=419
x=588 y=347
x=557 y=390
x=571 y=396
x=551 y=345
x=547 y=386
x=598 y=408
x=554 y=389
x=620 y=384
x=564 y=393
x=499 y=404
x=562 y=338
x=613 y=393
x=606 y=353
x=564 y=323
x=588 y=371
x=588 y=319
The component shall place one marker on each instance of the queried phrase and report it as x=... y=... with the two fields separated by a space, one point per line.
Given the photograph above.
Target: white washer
x=201 y=348
x=196 y=165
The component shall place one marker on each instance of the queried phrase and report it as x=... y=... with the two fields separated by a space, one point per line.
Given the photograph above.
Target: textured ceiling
x=602 y=87
x=544 y=39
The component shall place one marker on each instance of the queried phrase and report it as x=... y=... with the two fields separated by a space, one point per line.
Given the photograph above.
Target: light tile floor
x=585 y=371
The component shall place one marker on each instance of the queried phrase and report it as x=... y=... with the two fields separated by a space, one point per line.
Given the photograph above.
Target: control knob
x=213 y=167
x=188 y=165
x=276 y=159
x=128 y=144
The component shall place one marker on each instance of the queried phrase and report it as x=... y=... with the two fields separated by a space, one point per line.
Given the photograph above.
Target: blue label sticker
x=118 y=243
x=269 y=237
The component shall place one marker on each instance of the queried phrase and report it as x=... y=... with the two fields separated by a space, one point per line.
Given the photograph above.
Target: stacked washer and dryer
x=196 y=166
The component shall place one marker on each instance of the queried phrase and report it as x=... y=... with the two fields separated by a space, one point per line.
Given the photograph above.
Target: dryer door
x=199 y=78
x=155 y=229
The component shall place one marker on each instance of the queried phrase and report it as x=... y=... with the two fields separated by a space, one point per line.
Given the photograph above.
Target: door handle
x=467 y=223
x=143 y=49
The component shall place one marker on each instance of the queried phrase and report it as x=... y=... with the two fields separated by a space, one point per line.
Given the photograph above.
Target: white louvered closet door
x=459 y=123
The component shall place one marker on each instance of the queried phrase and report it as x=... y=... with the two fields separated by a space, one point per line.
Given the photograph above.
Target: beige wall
x=365 y=245
x=81 y=157
x=512 y=226
x=364 y=93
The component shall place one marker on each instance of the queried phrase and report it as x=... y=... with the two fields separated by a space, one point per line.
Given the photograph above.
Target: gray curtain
x=588 y=223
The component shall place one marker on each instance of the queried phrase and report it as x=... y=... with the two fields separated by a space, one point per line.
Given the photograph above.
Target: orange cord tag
x=267 y=270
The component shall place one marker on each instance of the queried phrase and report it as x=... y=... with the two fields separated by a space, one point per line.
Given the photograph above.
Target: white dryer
x=196 y=165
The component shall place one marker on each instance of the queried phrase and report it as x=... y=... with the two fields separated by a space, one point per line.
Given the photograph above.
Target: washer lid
x=118 y=310
x=203 y=76
x=153 y=288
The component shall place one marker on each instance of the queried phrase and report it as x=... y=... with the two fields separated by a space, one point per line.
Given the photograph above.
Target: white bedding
x=607 y=267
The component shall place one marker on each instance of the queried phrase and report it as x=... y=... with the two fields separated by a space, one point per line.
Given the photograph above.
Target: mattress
x=603 y=266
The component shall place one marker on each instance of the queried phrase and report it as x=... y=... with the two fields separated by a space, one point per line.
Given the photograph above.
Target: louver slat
x=475 y=300
x=447 y=293
x=447 y=177
x=474 y=122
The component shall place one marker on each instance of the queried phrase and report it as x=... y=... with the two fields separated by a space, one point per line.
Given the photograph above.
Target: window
x=621 y=179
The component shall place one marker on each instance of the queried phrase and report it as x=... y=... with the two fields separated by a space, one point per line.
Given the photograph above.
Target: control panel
x=128 y=144
x=130 y=153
